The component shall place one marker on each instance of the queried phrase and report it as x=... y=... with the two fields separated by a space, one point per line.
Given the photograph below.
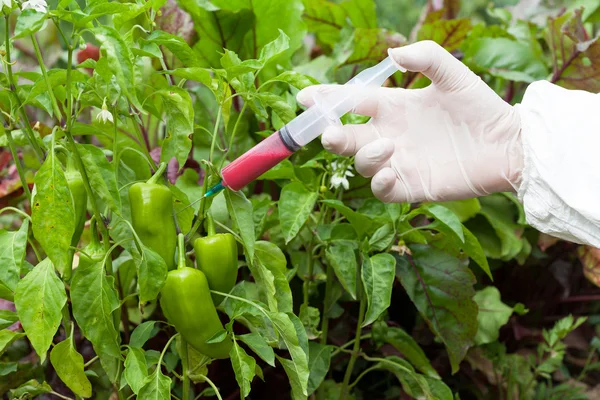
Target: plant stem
x=38 y=54
x=17 y=160
x=350 y=343
x=13 y=86
x=212 y=385
x=17 y=211
x=237 y=122
x=201 y=210
x=87 y=364
x=327 y=304
x=361 y=316
x=185 y=369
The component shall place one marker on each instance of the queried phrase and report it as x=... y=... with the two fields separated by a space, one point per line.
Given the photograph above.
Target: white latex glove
x=454 y=139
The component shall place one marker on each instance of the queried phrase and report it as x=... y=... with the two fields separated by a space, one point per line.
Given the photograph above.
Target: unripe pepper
x=152 y=216
x=79 y=195
x=187 y=304
x=217 y=257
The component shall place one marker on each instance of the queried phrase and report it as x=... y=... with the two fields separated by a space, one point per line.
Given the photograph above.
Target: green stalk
x=38 y=54
x=17 y=160
x=161 y=170
x=202 y=210
x=185 y=370
x=233 y=133
x=31 y=138
x=181 y=251
x=356 y=347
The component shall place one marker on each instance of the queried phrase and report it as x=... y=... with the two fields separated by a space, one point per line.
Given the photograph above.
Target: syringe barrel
x=307 y=126
x=256 y=161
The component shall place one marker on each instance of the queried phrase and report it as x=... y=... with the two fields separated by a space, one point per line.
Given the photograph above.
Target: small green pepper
x=186 y=302
x=79 y=195
x=217 y=257
x=152 y=216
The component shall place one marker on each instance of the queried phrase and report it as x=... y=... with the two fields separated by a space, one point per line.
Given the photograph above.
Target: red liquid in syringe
x=255 y=162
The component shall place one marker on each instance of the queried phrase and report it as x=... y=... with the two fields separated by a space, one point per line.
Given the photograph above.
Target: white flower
x=5 y=3
x=104 y=115
x=340 y=175
x=37 y=5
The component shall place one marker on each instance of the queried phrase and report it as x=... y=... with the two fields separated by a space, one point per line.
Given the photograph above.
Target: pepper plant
x=118 y=279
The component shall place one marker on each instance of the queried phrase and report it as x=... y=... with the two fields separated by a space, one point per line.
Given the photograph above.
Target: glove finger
x=346 y=140
x=387 y=187
x=366 y=100
x=433 y=61
x=374 y=156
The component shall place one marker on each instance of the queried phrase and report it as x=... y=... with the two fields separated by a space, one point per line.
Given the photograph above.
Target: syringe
x=302 y=130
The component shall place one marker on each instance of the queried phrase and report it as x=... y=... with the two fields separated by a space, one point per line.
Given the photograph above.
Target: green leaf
x=196 y=74
x=178 y=46
x=53 y=213
x=299 y=363
x=244 y=367
x=120 y=61
x=310 y=317
x=29 y=22
x=7 y=318
x=318 y=365
x=274 y=48
x=101 y=175
x=441 y=287
x=156 y=386
x=298 y=392
x=30 y=389
x=39 y=299
x=378 y=280
x=240 y=210
x=271 y=255
x=179 y=111
x=326 y=18
x=295 y=79
x=405 y=344
x=68 y=364
x=94 y=299
x=450 y=33
x=152 y=273
x=12 y=253
x=7 y=368
x=382 y=238
x=7 y=338
x=361 y=223
x=218 y=337
x=464 y=209
x=505 y=58
x=493 y=314
x=269 y=271
x=142 y=333
x=446 y=217
x=259 y=345
x=295 y=205
x=473 y=249
x=414 y=384
x=342 y=259
x=278 y=104
x=136 y=370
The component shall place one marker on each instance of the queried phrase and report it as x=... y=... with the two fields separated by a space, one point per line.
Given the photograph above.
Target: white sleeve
x=560 y=187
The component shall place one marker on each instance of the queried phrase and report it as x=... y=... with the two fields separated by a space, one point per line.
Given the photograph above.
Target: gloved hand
x=454 y=139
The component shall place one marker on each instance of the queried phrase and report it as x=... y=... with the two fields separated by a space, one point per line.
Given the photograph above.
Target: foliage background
x=323 y=261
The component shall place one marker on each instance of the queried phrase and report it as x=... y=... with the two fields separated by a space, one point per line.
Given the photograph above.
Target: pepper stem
x=210 y=225
x=181 y=253
x=161 y=169
x=94 y=231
